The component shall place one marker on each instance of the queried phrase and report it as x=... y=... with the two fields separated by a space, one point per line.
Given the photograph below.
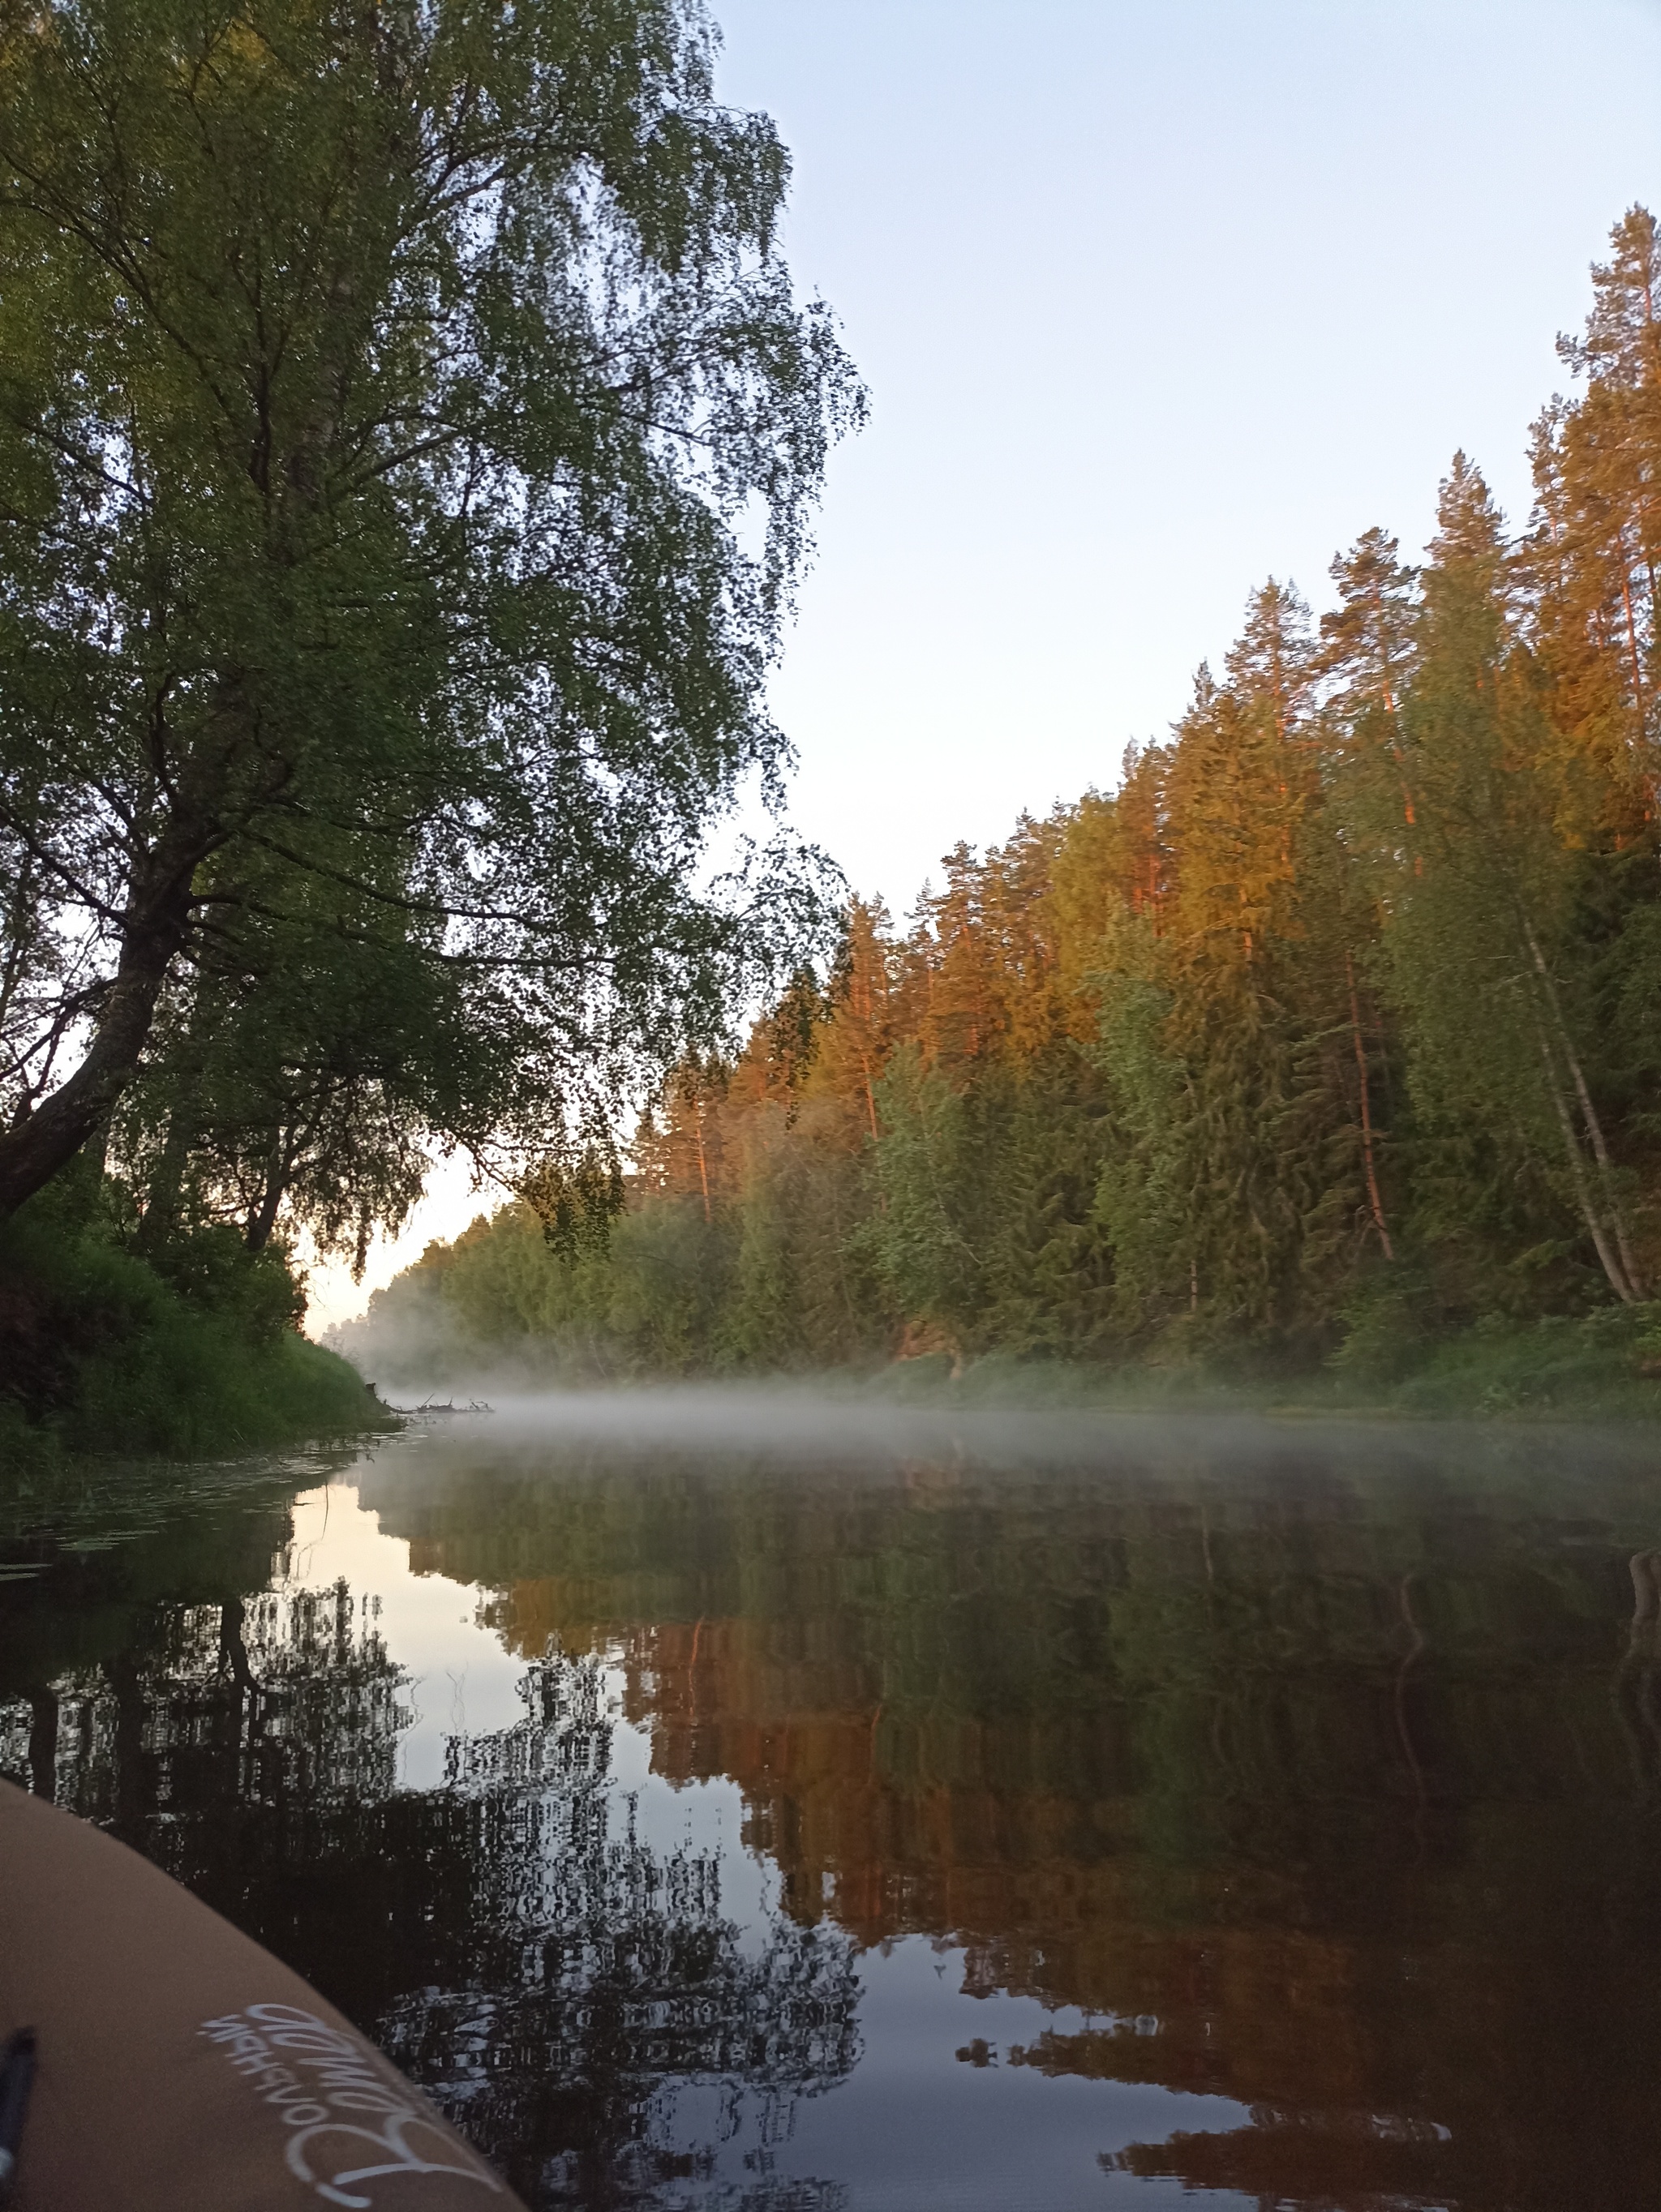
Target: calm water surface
x=834 y=1812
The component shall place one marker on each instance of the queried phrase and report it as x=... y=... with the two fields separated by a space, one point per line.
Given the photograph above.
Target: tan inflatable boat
x=178 y=2066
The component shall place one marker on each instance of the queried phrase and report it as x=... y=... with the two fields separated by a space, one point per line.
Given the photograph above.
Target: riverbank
x=193 y=1350
x=1603 y=1365
x=188 y=1352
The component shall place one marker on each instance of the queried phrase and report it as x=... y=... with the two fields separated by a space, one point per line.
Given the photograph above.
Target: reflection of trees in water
x=612 y=2033
x=1638 y=1677
x=574 y=1996
x=1316 y=1793
x=278 y=1701
x=1313 y=1770
x=1315 y=2161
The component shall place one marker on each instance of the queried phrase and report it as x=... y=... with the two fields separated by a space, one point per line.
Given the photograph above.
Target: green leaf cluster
x=408 y=431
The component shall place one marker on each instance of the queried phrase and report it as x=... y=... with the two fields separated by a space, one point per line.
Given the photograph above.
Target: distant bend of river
x=727 y=1807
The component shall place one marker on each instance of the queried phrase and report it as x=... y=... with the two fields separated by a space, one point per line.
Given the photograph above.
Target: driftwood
x=428 y=1410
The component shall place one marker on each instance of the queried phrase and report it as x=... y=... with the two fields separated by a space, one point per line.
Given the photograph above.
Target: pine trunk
x=1376 y=1202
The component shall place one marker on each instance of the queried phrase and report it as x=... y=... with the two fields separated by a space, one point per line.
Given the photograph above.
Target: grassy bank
x=1597 y=1368
x=190 y=1350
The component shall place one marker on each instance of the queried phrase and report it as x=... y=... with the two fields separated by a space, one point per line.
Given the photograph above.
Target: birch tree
x=380 y=392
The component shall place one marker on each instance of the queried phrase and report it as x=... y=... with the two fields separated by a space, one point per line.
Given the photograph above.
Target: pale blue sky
x=1154 y=301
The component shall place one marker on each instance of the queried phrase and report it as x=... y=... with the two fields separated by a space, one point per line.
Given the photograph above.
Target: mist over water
x=732 y=1801
x=839 y=1428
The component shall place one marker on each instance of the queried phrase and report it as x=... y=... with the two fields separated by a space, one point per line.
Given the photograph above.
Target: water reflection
x=998 y=1817
x=510 y=1936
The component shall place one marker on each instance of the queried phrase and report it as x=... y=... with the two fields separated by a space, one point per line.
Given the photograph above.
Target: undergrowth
x=1604 y=1365
x=188 y=1351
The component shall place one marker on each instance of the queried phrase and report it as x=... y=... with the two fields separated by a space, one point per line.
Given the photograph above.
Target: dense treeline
x=1332 y=1027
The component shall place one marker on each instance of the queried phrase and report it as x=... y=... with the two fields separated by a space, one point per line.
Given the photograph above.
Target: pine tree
x=1479 y=940
x=1593 y=553
x=1237 y=1184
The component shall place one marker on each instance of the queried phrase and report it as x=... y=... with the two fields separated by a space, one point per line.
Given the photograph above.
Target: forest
x=1325 y=1039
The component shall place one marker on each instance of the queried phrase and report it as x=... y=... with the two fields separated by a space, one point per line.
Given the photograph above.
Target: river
x=754 y=1805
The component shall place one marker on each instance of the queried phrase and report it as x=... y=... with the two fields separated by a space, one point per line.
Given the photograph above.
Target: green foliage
x=1390 y=1324
x=193 y=1352
x=1139 y=1202
x=407 y=436
x=931 y=1169
x=1605 y=1362
x=985 y=1222
x=800 y=1288
x=504 y=1297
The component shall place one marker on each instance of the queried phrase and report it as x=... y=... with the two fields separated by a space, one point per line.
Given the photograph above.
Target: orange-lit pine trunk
x=704 y=1164
x=1373 y=1199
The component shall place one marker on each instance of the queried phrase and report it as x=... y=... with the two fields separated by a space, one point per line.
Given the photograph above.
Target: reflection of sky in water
x=461 y=1680
x=1001 y=2139
x=915 y=2128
